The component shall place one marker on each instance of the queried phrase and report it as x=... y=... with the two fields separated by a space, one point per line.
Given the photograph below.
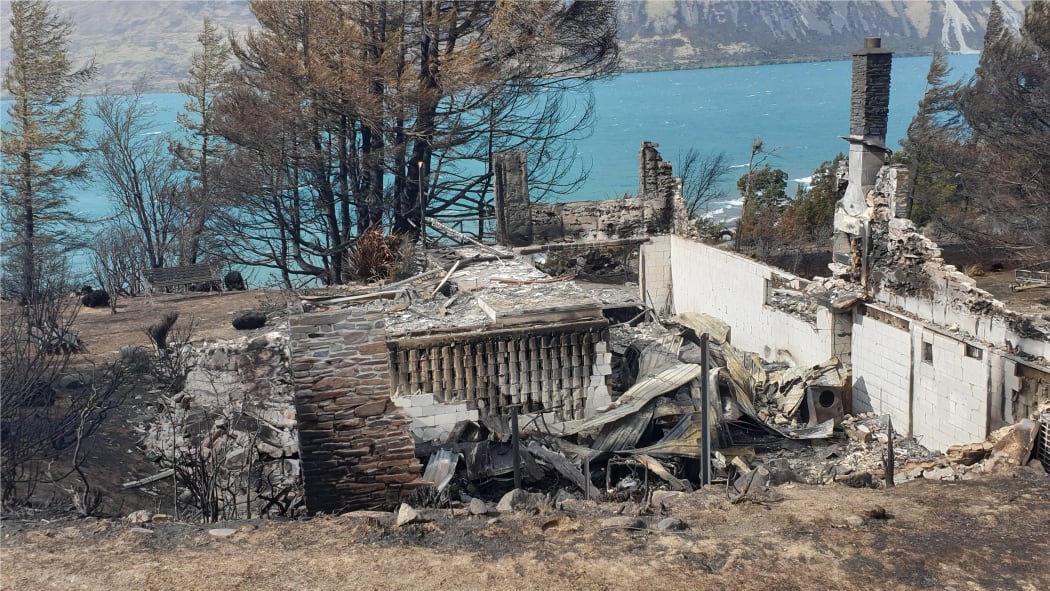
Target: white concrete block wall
x=881 y=366
x=432 y=420
x=731 y=287
x=950 y=396
x=598 y=395
x=654 y=279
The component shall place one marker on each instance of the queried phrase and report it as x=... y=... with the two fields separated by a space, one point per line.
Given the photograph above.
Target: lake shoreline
x=173 y=89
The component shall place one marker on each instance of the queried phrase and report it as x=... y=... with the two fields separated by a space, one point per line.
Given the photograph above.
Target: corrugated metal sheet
x=702 y=323
x=625 y=433
x=638 y=395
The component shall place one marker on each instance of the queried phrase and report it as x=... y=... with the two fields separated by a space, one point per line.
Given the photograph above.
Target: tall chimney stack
x=870 y=95
x=869 y=110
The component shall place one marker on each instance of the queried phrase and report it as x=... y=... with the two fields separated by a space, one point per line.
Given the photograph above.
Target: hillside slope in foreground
x=987 y=533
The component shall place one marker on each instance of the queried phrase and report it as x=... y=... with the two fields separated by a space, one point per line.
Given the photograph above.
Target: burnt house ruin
x=893 y=331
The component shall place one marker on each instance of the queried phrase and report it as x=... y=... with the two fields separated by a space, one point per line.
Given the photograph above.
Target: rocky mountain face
x=139 y=39
x=696 y=33
x=130 y=39
x=684 y=34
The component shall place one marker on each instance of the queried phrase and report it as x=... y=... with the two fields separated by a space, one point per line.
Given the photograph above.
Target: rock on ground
x=623 y=522
x=406 y=515
x=671 y=524
x=477 y=507
x=514 y=500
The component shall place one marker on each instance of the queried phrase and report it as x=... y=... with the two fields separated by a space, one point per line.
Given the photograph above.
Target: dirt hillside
x=985 y=533
x=988 y=533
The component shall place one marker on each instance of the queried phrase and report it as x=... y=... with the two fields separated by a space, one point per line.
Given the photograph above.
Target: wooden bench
x=184 y=275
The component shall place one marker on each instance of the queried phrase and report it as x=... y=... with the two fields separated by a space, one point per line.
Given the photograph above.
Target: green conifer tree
x=42 y=135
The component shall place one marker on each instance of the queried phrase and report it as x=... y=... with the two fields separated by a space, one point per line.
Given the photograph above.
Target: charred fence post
x=890 y=456
x=705 y=419
x=515 y=442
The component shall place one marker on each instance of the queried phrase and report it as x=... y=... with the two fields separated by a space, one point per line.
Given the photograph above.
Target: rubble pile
x=856 y=456
x=764 y=416
x=232 y=428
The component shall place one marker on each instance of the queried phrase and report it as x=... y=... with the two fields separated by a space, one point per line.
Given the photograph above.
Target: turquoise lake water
x=799 y=110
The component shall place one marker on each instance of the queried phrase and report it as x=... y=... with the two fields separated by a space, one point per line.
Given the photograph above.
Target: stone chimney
x=513 y=208
x=870 y=94
x=869 y=111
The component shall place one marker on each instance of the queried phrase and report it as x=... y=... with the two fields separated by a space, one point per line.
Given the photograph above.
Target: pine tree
x=933 y=136
x=209 y=74
x=989 y=163
x=43 y=134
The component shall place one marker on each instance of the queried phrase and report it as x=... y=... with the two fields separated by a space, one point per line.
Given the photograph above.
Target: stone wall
x=658 y=188
x=356 y=447
x=363 y=395
x=870 y=91
x=511 y=193
x=655 y=210
x=237 y=403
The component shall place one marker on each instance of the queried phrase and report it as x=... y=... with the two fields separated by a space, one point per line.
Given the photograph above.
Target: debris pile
x=229 y=435
x=1021 y=444
x=769 y=424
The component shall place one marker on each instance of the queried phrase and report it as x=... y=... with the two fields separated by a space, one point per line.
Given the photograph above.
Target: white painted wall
x=732 y=287
x=950 y=397
x=940 y=402
x=881 y=367
x=433 y=420
x=953 y=399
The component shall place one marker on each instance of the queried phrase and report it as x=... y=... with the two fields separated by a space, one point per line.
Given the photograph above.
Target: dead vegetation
x=802 y=537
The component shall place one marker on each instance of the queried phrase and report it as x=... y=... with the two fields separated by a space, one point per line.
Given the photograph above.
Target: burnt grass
x=987 y=533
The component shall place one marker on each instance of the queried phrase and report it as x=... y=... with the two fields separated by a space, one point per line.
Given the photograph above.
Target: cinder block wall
x=882 y=368
x=357 y=451
x=432 y=420
x=654 y=274
x=732 y=287
x=950 y=403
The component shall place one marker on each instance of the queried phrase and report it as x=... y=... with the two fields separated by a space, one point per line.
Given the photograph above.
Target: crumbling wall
x=929 y=347
x=510 y=173
x=553 y=367
x=357 y=451
x=658 y=188
x=906 y=271
x=736 y=289
x=237 y=402
x=609 y=219
x=657 y=209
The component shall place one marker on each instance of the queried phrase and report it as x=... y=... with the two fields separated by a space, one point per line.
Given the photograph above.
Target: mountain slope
x=131 y=39
x=691 y=33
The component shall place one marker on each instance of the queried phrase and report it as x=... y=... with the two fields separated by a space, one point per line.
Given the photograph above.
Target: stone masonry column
x=513 y=209
x=657 y=189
